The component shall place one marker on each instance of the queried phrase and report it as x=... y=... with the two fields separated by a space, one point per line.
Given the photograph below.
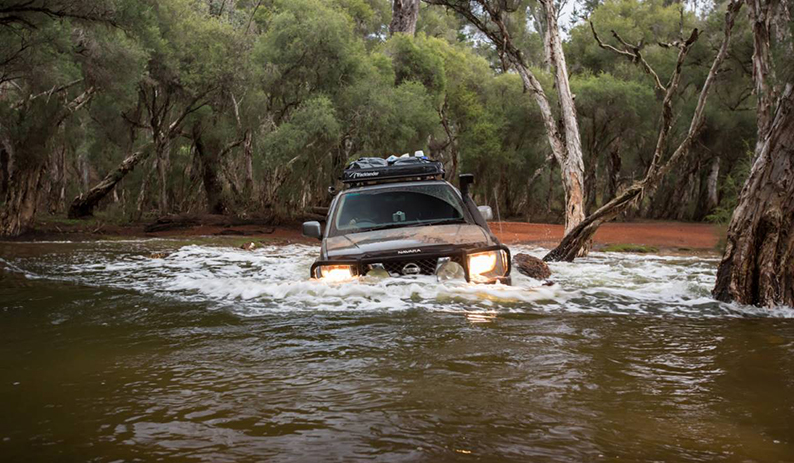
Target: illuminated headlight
x=487 y=266
x=335 y=273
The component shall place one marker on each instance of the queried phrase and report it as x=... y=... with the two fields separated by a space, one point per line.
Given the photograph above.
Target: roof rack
x=378 y=170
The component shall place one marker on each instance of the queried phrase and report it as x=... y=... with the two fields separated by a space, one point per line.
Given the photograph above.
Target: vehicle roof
x=386 y=185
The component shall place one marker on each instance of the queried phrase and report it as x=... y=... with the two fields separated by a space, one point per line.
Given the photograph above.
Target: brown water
x=216 y=354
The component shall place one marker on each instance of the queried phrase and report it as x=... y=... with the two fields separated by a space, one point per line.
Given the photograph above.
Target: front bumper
x=427 y=262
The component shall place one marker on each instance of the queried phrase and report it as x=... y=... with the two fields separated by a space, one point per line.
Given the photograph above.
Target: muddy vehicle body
x=403 y=220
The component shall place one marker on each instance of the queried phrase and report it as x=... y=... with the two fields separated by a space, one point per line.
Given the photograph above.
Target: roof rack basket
x=377 y=170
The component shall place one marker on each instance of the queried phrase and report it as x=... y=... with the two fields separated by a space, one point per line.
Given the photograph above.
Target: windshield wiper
x=415 y=224
x=442 y=221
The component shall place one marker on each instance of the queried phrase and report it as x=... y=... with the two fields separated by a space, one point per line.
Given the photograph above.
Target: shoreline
x=652 y=237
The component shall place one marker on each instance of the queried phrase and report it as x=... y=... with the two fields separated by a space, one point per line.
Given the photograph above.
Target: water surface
x=219 y=354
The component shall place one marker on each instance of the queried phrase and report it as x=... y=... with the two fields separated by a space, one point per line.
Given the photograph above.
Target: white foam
x=275 y=279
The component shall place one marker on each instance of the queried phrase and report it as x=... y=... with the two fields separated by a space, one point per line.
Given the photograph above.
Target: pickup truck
x=402 y=219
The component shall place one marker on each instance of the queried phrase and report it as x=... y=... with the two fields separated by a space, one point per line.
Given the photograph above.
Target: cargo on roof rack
x=376 y=170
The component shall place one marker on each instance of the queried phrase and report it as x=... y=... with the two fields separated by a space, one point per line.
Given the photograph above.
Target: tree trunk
x=761 y=18
x=686 y=194
x=5 y=170
x=83 y=170
x=572 y=166
x=405 y=13
x=163 y=167
x=591 y=182
x=248 y=152
x=712 y=191
x=615 y=164
x=447 y=149
x=22 y=195
x=57 y=183
x=83 y=205
x=210 y=161
x=674 y=200
x=144 y=187
x=758 y=265
x=550 y=191
x=540 y=25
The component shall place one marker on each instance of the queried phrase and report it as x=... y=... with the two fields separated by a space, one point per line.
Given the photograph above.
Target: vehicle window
x=390 y=208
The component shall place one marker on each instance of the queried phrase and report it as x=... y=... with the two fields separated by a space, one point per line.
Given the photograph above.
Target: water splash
x=275 y=279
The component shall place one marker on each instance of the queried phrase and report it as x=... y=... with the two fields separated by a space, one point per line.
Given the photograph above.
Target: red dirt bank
x=675 y=236
x=660 y=234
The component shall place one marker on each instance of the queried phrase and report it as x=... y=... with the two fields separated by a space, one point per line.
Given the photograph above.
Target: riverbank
x=654 y=237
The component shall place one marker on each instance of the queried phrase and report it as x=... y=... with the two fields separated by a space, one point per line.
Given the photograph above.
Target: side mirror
x=313 y=230
x=485 y=211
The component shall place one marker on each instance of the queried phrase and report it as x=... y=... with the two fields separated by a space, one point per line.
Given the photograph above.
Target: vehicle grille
x=426 y=266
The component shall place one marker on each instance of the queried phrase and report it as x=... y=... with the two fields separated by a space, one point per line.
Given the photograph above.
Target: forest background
x=252 y=108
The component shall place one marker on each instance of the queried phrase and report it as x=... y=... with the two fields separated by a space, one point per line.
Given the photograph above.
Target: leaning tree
x=758 y=265
x=491 y=18
x=576 y=239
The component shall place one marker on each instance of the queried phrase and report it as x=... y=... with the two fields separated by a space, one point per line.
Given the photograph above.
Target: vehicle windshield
x=403 y=206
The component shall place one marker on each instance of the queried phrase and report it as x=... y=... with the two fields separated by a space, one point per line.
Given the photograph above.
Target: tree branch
x=631 y=52
x=75 y=105
x=84 y=11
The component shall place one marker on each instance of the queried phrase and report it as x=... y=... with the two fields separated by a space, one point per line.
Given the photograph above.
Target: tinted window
x=397 y=207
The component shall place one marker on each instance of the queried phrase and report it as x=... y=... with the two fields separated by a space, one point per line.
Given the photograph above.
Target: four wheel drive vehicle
x=401 y=218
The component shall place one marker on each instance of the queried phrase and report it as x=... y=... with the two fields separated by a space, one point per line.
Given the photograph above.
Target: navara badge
x=409 y=251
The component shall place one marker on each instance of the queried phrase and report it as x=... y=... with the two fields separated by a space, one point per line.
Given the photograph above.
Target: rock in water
x=531 y=266
x=249 y=246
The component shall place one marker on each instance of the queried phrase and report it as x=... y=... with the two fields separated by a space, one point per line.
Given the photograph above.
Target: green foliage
x=313 y=84
x=314 y=122
x=417 y=59
x=309 y=47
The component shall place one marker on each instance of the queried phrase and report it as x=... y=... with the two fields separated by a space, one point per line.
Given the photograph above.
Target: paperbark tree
x=572 y=165
x=210 y=155
x=574 y=241
x=405 y=13
x=248 y=151
x=27 y=139
x=563 y=135
x=758 y=264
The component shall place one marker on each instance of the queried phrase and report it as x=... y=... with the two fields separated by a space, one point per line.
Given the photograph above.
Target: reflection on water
x=219 y=354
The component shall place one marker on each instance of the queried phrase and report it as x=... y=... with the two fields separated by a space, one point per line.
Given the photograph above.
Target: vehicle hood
x=408 y=238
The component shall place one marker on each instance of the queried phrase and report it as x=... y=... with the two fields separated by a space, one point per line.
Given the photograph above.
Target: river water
x=218 y=354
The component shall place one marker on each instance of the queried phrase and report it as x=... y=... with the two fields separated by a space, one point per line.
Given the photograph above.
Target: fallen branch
x=84 y=204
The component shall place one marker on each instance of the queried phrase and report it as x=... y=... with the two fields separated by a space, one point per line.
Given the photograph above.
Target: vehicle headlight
x=335 y=273
x=488 y=265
